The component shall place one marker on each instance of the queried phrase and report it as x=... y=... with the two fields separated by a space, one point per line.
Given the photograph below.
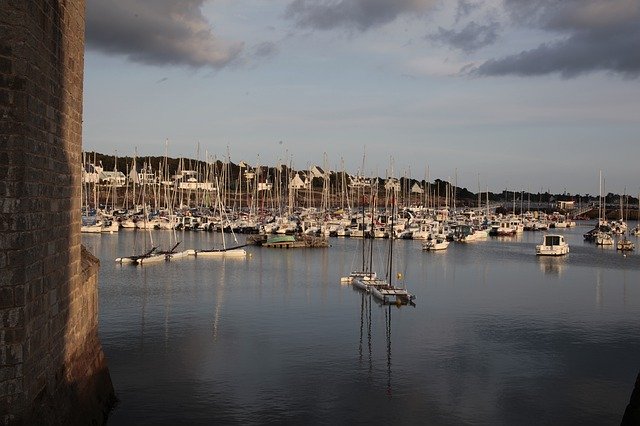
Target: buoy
x=399 y=275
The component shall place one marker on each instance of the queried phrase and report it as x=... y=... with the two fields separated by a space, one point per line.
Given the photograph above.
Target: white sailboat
x=230 y=252
x=384 y=290
x=602 y=237
x=365 y=276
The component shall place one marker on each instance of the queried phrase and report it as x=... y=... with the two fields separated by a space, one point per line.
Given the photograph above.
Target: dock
x=290 y=241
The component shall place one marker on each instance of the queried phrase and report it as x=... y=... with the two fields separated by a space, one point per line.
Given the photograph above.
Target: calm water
x=498 y=336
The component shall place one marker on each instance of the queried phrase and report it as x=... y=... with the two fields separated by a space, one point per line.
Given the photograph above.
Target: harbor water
x=497 y=336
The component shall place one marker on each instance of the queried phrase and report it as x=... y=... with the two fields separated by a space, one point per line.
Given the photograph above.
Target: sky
x=502 y=94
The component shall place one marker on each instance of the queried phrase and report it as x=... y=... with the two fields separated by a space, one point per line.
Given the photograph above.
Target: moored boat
x=552 y=245
x=238 y=251
x=435 y=244
x=603 y=239
x=625 y=245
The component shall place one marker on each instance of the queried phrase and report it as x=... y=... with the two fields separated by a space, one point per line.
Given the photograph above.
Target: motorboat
x=552 y=245
x=435 y=244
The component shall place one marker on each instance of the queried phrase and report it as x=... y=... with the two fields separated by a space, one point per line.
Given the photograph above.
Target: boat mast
x=389 y=272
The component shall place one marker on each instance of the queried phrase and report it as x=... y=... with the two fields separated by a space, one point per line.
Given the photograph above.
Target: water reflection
x=219 y=299
x=494 y=339
x=552 y=265
x=387 y=324
x=599 y=288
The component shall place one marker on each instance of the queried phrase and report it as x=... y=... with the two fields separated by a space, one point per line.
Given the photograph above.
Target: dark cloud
x=466 y=8
x=594 y=35
x=352 y=14
x=573 y=15
x=579 y=54
x=471 y=38
x=157 y=32
x=266 y=49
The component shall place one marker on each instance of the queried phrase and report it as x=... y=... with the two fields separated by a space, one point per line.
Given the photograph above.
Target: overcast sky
x=517 y=94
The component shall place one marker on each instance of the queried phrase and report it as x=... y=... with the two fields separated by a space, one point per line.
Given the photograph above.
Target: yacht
x=552 y=245
x=435 y=244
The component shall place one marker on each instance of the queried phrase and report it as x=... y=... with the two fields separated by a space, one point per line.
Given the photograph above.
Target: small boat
x=435 y=244
x=467 y=234
x=367 y=283
x=391 y=295
x=625 y=245
x=604 y=239
x=173 y=254
x=136 y=259
x=552 y=245
x=154 y=258
x=361 y=275
x=238 y=251
x=385 y=291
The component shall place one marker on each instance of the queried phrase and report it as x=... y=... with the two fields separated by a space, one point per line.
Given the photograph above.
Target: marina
x=495 y=325
x=319 y=212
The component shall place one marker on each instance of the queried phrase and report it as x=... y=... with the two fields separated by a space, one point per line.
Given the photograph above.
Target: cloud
x=569 y=15
x=352 y=14
x=471 y=38
x=466 y=8
x=579 y=54
x=593 y=35
x=265 y=49
x=157 y=32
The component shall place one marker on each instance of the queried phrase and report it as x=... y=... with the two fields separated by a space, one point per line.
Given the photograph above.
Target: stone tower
x=52 y=369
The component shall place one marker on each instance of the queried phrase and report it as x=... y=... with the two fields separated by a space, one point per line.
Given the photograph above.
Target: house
x=185 y=175
x=392 y=184
x=299 y=181
x=114 y=178
x=91 y=173
x=318 y=172
x=417 y=189
x=566 y=205
x=143 y=176
x=193 y=184
x=265 y=186
x=359 y=181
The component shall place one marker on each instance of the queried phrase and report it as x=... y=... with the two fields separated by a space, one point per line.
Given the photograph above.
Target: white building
x=297 y=182
x=112 y=178
x=91 y=173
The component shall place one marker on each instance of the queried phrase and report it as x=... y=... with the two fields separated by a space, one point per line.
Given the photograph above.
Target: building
x=566 y=205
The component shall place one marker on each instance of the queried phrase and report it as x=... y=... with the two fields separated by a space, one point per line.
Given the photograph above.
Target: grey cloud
x=579 y=54
x=465 y=8
x=352 y=14
x=471 y=38
x=266 y=49
x=573 y=15
x=157 y=32
x=594 y=35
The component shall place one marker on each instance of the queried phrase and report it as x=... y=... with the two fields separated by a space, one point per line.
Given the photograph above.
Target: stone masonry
x=52 y=369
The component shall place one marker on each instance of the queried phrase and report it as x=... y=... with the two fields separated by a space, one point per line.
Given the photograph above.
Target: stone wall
x=51 y=363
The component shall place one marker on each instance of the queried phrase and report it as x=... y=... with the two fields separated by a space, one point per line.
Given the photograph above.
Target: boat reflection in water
x=552 y=265
x=366 y=304
x=499 y=336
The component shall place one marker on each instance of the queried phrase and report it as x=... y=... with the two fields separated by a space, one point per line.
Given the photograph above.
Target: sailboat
x=624 y=244
x=603 y=237
x=152 y=255
x=363 y=275
x=237 y=251
x=384 y=290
